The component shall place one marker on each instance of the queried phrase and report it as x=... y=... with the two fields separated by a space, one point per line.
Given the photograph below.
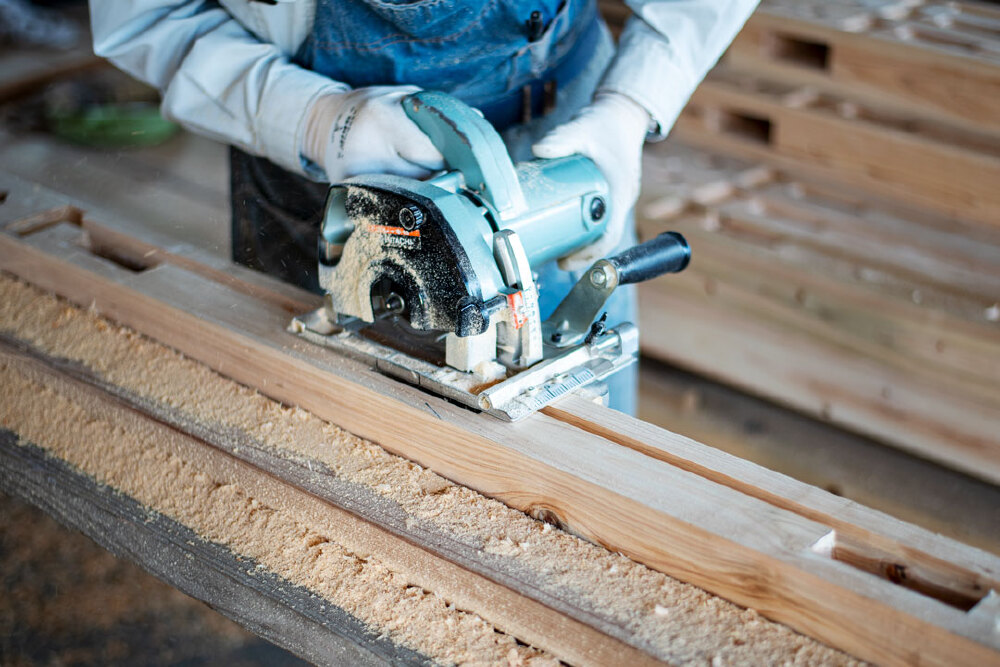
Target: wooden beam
x=919 y=73
x=895 y=541
x=936 y=58
x=836 y=460
x=358 y=521
x=25 y=71
x=920 y=417
x=264 y=603
x=653 y=511
x=950 y=170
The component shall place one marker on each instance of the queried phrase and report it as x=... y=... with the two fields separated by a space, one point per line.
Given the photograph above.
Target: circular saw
x=433 y=282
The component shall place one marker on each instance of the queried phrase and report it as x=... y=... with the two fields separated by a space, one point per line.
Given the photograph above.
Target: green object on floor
x=132 y=124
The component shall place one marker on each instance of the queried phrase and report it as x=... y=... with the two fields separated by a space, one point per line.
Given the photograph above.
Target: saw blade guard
x=555 y=206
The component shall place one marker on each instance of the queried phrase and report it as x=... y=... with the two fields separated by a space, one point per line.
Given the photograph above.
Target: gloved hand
x=610 y=131
x=365 y=131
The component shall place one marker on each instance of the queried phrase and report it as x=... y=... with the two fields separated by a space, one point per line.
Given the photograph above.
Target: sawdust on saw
x=675 y=621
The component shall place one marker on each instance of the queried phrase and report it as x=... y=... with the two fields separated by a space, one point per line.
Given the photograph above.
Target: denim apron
x=493 y=55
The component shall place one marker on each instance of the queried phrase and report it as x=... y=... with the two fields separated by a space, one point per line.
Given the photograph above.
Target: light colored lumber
x=265 y=476
x=27 y=70
x=896 y=541
x=857 y=312
x=843 y=463
x=652 y=511
x=935 y=58
x=885 y=60
x=912 y=337
x=120 y=186
x=922 y=162
x=839 y=387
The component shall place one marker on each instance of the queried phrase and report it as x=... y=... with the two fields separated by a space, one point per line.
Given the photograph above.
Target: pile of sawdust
x=674 y=621
x=146 y=463
x=65 y=600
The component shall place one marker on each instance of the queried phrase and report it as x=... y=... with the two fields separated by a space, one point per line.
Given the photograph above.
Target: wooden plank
x=801 y=230
x=922 y=341
x=887 y=319
x=26 y=70
x=843 y=463
x=894 y=540
x=964 y=258
x=119 y=187
x=652 y=511
x=263 y=603
x=952 y=171
x=357 y=521
x=923 y=355
x=813 y=377
x=935 y=58
x=875 y=58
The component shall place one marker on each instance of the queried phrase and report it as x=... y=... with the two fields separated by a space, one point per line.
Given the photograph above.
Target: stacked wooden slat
x=835 y=138
x=839 y=182
x=937 y=57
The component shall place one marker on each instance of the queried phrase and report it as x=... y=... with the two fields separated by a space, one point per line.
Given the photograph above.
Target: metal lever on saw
x=667 y=253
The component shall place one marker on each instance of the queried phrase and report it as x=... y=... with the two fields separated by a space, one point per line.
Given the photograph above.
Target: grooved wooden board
x=263 y=603
x=353 y=516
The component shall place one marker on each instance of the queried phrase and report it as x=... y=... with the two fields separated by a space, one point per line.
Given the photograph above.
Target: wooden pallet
x=797 y=554
x=946 y=169
x=938 y=59
x=873 y=317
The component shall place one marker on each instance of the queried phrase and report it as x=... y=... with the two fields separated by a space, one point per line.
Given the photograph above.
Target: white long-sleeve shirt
x=225 y=72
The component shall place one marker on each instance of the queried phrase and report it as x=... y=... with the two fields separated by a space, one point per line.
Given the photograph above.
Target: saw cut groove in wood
x=863 y=538
x=653 y=511
x=263 y=603
x=467 y=578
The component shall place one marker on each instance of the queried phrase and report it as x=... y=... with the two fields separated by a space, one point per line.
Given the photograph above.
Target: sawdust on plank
x=137 y=462
x=673 y=620
x=64 y=600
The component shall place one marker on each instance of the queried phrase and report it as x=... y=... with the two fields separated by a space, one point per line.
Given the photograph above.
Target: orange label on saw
x=395 y=231
x=515 y=302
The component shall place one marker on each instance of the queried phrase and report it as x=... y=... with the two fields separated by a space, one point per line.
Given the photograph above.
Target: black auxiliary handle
x=667 y=253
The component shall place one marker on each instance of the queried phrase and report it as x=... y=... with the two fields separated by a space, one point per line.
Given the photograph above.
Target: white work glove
x=366 y=131
x=610 y=131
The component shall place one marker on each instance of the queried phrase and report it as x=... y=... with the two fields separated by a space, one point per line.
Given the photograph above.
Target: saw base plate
x=580 y=369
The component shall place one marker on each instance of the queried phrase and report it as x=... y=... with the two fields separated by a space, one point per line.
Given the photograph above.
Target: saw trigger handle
x=667 y=253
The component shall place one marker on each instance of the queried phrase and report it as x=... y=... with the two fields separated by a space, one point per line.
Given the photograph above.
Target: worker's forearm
x=668 y=47
x=217 y=79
